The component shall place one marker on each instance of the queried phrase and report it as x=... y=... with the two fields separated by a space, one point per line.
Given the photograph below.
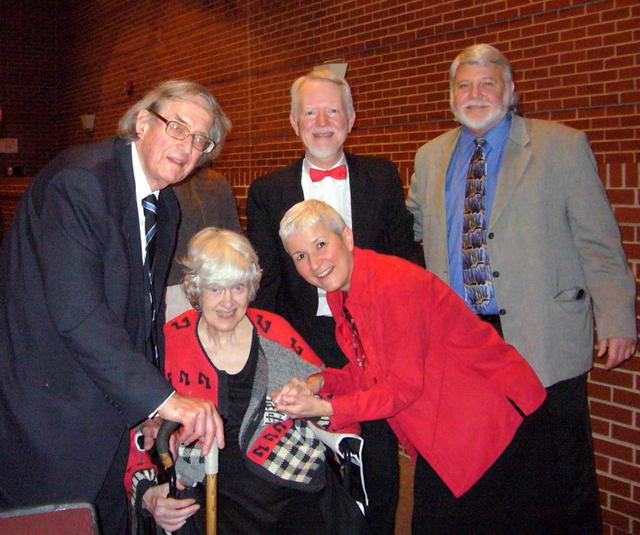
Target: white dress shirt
x=337 y=194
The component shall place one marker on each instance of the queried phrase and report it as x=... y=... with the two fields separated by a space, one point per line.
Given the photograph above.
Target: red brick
x=615 y=519
x=625 y=506
x=565 y=54
x=621 y=488
x=625 y=470
x=611 y=412
x=613 y=449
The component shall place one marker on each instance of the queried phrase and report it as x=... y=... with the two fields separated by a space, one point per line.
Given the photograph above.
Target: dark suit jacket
x=380 y=222
x=75 y=368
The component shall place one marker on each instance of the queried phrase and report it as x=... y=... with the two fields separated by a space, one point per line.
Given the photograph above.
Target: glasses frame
x=167 y=123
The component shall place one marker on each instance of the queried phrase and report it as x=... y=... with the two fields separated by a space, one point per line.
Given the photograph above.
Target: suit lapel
x=361 y=190
x=131 y=232
x=292 y=186
x=514 y=163
x=440 y=167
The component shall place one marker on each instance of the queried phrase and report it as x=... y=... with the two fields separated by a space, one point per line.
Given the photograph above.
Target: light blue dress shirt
x=496 y=139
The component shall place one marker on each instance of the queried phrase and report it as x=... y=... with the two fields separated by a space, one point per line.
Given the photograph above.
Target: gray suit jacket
x=553 y=242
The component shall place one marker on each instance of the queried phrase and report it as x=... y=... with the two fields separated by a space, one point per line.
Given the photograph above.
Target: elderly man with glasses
x=81 y=283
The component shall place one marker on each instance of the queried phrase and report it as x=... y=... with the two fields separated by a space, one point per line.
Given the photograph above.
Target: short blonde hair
x=175 y=90
x=308 y=213
x=219 y=258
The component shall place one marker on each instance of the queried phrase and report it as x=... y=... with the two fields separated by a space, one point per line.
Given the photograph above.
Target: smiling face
x=323 y=258
x=480 y=98
x=165 y=160
x=223 y=308
x=322 y=121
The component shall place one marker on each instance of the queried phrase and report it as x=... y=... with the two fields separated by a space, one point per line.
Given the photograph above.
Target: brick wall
x=575 y=61
x=28 y=86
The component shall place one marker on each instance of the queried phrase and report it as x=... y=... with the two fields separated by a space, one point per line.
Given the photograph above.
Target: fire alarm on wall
x=128 y=87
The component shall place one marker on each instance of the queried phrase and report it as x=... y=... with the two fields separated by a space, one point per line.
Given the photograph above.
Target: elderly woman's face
x=223 y=308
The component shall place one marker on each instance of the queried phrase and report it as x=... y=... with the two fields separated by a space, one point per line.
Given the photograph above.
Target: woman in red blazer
x=453 y=391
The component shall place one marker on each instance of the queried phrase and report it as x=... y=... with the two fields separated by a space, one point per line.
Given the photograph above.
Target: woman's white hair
x=308 y=213
x=219 y=258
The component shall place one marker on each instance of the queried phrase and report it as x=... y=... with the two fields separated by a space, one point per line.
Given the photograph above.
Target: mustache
x=475 y=102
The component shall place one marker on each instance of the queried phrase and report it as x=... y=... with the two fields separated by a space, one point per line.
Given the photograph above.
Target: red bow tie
x=339 y=173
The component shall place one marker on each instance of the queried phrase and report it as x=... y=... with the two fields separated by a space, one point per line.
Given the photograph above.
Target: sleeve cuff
x=156 y=412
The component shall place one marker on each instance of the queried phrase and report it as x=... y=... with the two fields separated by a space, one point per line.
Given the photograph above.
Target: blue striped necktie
x=149 y=208
x=476 y=269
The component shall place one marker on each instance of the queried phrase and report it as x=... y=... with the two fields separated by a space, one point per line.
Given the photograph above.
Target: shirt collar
x=142 y=185
x=306 y=164
x=495 y=137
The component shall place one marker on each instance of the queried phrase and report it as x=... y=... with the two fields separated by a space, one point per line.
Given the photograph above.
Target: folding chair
x=59 y=519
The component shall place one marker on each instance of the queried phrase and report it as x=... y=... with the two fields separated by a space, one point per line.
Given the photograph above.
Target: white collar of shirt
x=337 y=194
x=142 y=190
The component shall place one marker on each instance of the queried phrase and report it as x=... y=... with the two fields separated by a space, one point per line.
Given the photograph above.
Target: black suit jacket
x=75 y=365
x=380 y=219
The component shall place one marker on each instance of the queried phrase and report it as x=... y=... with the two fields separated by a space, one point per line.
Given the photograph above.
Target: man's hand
x=149 y=430
x=199 y=419
x=619 y=349
x=169 y=513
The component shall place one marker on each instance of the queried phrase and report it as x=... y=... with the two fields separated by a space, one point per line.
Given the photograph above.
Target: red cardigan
x=441 y=377
x=190 y=373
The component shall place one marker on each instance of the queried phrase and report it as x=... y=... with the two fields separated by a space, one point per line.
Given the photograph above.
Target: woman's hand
x=169 y=513
x=309 y=386
x=296 y=405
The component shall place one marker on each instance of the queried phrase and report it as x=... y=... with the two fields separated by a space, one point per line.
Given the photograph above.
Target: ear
x=347 y=237
x=352 y=120
x=294 y=124
x=142 y=122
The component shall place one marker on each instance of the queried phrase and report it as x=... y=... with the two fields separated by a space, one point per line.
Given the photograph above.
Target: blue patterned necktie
x=149 y=208
x=476 y=269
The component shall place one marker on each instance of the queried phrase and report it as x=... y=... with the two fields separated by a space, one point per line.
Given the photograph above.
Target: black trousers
x=570 y=448
x=574 y=468
x=111 y=501
x=517 y=495
x=380 y=453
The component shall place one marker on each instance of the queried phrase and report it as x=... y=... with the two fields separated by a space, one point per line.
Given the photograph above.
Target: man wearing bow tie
x=367 y=192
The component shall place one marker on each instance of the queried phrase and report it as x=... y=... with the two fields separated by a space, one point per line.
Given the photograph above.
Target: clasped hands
x=298 y=399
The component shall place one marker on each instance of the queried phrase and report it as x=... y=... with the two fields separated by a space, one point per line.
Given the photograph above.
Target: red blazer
x=441 y=377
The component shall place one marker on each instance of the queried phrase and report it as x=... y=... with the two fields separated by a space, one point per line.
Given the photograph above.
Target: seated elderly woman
x=273 y=477
x=456 y=395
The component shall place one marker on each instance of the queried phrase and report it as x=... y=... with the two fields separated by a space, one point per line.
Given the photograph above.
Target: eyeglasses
x=179 y=131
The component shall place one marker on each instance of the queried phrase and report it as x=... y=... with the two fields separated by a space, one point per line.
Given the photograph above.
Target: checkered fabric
x=190 y=465
x=297 y=456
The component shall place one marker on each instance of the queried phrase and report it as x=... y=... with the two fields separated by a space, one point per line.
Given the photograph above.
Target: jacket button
x=490 y=235
x=502 y=311
x=495 y=274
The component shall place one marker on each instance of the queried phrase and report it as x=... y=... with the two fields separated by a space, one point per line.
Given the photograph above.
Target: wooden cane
x=211 y=486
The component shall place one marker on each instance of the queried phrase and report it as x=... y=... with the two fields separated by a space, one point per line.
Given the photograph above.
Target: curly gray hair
x=219 y=258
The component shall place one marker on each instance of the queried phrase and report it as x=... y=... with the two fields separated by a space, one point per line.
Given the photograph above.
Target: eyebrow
x=182 y=120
